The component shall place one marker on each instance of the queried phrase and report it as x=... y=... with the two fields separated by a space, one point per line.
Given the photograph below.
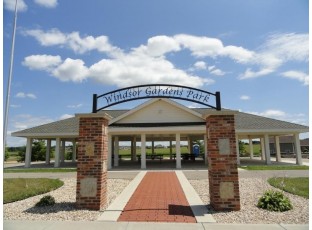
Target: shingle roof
x=244 y=121
x=250 y=121
x=68 y=126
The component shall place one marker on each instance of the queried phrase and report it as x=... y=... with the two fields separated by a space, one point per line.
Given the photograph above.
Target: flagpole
x=7 y=104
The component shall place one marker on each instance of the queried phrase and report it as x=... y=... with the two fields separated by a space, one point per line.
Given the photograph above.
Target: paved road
x=203 y=174
x=190 y=174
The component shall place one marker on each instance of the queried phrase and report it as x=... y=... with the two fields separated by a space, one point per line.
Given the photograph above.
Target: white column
x=48 y=150
x=116 y=151
x=63 y=151
x=28 y=152
x=298 y=149
x=251 y=149
x=278 y=149
x=143 y=151
x=267 y=149
x=178 y=151
x=205 y=149
x=74 y=151
x=57 y=153
x=237 y=150
x=262 y=148
x=109 y=151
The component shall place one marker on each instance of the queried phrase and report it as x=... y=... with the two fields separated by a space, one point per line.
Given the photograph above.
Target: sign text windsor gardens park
x=156 y=91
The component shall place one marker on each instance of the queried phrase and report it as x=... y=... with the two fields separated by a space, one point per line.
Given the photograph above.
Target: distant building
x=287 y=145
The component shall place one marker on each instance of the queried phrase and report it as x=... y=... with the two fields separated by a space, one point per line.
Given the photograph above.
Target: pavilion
x=163 y=119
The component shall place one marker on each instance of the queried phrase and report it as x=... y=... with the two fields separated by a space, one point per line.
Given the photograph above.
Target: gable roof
x=67 y=127
x=152 y=103
x=244 y=123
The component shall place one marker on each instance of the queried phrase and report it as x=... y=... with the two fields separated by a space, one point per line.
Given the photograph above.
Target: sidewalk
x=97 y=225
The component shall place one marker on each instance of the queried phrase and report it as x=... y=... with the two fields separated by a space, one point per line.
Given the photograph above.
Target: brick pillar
x=222 y=159
x=91 y=190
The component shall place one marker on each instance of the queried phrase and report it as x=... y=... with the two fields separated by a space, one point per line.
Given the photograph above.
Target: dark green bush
x=274 y=201
x=46 y=201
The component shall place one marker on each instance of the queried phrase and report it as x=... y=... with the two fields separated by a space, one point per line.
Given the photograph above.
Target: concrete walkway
x=98 y=225
x=159 y=198
x=189 y=174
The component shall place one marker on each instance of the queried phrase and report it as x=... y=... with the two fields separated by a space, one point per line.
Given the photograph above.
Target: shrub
x=274 y=201
x=46 y=201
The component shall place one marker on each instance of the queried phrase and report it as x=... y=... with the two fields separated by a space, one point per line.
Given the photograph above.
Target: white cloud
x=50 y=38
x=10 y=5
x=25 y=95
x=238 y=54
x=148 y=63
x=297 y=118
x=134 y=68
x=297 y=75
x=41 y=62
x=200 y=46
x=276 y=51
x=253 y=74
x=73 y=41
x=244 y=97
x=88 y=43
x=272 y=113
x=71 y=70
x=158 y=46
x=47 y=3
x=288 y=47
x=66 y=116
x=23 y=121
x=217 y=72
x=200 y=65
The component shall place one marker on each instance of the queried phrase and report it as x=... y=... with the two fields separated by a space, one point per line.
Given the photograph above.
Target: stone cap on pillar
x=104 y=115
x=222 y=112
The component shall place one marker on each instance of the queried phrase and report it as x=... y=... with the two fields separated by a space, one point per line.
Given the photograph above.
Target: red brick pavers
x=158 y=198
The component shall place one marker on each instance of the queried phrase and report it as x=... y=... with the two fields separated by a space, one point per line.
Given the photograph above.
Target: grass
x=275 y=167
x=165 y=151
x=297 y=186
x=39 y=170
x=21 y=188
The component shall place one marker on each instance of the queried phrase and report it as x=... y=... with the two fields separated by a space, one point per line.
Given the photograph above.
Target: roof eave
x=45 y=135
x=270 y=131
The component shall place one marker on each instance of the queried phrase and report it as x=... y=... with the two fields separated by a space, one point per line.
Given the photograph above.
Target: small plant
x=274 y=201
x=46 y=201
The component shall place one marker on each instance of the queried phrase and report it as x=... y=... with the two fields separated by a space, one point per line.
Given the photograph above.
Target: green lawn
x=164 y=151
x=275 y=167
x=39 y=170
x=298 y=186
x=21 y=188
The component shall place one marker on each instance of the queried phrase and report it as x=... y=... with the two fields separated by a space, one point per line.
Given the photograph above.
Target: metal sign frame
x=138 y=92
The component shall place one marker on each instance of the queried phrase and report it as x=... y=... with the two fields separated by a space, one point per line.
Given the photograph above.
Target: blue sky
x=254 y=52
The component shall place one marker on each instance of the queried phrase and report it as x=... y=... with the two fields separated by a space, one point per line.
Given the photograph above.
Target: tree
x=6 y=156
x=241 y=148
x=38 y=151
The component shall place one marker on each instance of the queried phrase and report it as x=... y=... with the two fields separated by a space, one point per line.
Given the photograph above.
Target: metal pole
x=218 y=100
x=6 y=115
x=94 y=107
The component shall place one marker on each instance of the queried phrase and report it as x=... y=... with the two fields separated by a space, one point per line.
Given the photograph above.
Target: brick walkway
x=158 y=198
